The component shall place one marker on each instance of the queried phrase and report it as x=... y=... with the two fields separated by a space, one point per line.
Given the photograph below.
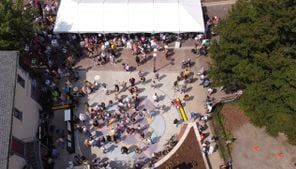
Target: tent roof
x=129 y=16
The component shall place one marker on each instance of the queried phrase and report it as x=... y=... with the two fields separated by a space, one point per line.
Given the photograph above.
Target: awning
x=129 y=16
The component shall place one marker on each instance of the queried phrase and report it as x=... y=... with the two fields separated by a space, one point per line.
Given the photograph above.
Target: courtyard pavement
x=162 y=122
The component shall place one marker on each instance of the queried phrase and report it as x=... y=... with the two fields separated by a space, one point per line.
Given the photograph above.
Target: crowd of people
x=52 y=58
x=126 y=120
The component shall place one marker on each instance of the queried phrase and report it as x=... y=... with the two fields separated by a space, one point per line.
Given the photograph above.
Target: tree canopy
x=256 y=52
x=16 y=24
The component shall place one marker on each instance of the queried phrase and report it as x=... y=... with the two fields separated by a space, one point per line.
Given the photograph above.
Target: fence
x=223 y=135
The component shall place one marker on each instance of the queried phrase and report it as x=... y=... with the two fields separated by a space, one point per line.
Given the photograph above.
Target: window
x=18 y=114
x=34 y=90
x=21 y=81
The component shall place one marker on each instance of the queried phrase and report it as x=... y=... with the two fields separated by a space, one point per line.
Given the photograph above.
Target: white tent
x=129 y=16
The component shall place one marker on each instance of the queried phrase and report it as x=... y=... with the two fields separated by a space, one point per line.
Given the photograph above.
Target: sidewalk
x=216 y=3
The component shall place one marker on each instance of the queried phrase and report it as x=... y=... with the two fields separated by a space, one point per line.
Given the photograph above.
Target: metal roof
x=8 y=68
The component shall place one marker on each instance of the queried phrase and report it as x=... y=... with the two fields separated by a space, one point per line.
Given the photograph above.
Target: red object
x=280 y=155
x=202 y=136
x=256 y=148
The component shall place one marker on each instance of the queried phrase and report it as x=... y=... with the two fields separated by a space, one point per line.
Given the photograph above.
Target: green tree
x=16 y=24
x=257 y=52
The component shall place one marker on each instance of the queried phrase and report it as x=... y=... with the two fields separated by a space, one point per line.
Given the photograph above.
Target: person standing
x=138 y=61
x=124 y=150
x=123 y=85
x=112 y=59
x=126 y=67
x=176 y=86
x=153 y=85
x=210 y=91
x=140 y=74
x=156 y=76
x=132 y=81
x=155 y=97
x=116 y=87
x=176 y=122
x=143 y=79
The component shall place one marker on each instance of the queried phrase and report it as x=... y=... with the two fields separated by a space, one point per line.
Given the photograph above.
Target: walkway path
x=216 y=3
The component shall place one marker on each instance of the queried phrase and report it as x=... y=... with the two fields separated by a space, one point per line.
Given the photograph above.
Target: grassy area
x=219 y=130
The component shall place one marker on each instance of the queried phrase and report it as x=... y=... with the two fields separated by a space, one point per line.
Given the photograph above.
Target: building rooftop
x=8 y=68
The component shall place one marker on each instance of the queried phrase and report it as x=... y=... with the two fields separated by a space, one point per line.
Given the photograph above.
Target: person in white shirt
x=155 y=97
x=126 y=67
x=210 y=91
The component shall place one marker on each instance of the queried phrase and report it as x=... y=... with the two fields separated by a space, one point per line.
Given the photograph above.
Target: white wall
x=16 y=162
x=26 y=128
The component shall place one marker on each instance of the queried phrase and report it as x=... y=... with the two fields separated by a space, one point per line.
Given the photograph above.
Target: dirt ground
x=234 y=116
x=253 y=148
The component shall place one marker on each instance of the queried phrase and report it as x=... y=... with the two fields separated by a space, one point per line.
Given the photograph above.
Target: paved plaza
x=160 y=125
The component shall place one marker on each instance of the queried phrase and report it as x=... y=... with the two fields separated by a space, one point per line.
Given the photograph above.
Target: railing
x=231 y=98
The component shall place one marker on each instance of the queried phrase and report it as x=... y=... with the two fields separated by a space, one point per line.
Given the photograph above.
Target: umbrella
x=82 y=117
x=75 y=89
x=206 y=83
